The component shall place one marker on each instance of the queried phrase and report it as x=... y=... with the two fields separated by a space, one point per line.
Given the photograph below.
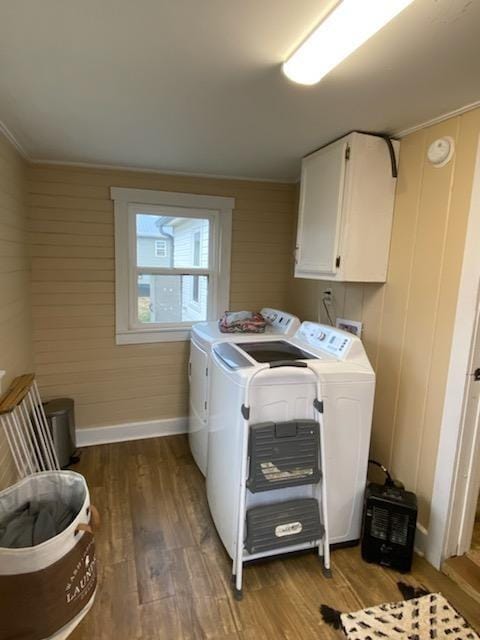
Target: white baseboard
x=130 y=431
x=420 y=540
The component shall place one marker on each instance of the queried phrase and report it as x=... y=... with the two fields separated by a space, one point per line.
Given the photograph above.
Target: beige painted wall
x=15 y=325
x=408 y=322
x=72 y=247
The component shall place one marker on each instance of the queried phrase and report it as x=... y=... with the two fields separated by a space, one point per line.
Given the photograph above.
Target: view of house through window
x=160 y=248
x=164 y=245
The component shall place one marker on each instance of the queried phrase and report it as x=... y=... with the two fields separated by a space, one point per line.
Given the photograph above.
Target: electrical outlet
x=352 y=326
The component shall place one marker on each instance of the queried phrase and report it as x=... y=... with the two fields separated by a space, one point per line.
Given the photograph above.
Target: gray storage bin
x=282 y=524
x=283 y=454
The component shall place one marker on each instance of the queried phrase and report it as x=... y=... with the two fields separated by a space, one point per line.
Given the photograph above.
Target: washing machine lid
x=274 y=351
x=232 y=357
x=244 y=355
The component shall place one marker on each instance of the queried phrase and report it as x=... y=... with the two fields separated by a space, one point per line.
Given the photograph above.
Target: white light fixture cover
x=345 y=29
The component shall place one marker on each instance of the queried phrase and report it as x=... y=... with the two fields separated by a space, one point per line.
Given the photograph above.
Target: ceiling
x=196 y=85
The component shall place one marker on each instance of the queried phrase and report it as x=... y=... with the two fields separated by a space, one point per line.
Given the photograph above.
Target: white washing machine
x=283 y=393
x=204 y=335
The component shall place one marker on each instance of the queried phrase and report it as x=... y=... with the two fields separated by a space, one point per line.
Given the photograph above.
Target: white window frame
x=127 y=202
x=164 y=252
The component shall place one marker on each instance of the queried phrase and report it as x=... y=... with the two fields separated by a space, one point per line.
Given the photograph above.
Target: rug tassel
x=331 y=616
x=409 y=592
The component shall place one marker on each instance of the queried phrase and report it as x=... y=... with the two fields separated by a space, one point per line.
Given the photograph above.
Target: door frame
x=468 y=477
x=446 y=523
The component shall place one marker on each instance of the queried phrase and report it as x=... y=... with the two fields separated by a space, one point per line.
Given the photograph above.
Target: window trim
x=218 y=208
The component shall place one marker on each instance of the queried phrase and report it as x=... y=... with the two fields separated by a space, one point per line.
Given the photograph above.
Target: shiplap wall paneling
x=408 y=322
x=71 y=236
x=15 y=324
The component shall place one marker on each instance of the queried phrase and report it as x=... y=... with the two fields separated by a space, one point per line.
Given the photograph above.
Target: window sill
x=144 y=337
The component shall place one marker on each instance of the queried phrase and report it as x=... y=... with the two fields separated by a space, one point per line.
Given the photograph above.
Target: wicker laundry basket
x=46 y=590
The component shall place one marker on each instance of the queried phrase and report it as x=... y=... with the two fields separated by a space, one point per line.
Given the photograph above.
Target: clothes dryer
x=203 y=336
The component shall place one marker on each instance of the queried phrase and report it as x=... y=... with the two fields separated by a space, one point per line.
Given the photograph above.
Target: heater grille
x=379 y=523
x=399 y=528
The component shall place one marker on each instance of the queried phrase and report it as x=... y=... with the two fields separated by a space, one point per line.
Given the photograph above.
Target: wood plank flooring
x=465 y=570
x=164 y=575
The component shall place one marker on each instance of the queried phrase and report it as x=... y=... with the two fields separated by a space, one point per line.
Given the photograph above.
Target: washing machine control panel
x=280 y=321
x=325 y=338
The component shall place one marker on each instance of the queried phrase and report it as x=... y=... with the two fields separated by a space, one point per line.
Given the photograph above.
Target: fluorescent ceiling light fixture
x=347 y=27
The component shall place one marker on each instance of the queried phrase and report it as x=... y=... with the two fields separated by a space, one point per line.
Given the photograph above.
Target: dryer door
x=198 y=406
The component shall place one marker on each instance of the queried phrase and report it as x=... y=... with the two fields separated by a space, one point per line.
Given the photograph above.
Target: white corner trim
x=436 y=120
x=130 y=431
x=439 y=543
x=13 y=140
x=421 y=536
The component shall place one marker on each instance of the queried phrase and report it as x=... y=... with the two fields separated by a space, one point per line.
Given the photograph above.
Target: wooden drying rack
x=26 y=428
x=16 y=393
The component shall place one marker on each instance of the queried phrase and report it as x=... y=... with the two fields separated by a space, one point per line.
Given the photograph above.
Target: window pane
x=172 y=298
x=166 y=241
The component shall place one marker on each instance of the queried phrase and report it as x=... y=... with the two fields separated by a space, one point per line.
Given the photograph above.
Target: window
x=160 y=248
x=172 y=262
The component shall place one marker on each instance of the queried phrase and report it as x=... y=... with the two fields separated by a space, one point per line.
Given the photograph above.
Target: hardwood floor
x=164 y=575
x=465 y=570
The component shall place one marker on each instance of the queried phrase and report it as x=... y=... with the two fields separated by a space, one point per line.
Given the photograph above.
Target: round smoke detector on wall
x=441 y=151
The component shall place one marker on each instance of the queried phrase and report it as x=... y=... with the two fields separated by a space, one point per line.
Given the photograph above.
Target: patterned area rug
x=426 y=616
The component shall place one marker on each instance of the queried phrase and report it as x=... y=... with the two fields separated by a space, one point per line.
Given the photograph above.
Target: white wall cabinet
x=346 y=211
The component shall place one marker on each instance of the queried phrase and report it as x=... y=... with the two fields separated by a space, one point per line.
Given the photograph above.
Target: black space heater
x=389 y=523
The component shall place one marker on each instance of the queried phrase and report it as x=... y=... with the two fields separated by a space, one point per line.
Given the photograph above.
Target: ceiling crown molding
x=13 y=140
x=402 y=133
x=165 y=172
x=437 y=119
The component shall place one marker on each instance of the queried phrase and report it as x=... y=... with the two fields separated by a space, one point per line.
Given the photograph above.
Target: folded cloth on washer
x=242 y=322
x=35 y=523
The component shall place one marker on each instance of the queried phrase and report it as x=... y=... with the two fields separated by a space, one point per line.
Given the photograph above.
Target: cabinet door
x=321 y=196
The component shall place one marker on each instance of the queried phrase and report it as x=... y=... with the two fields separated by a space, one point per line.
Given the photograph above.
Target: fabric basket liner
x=47 y=589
